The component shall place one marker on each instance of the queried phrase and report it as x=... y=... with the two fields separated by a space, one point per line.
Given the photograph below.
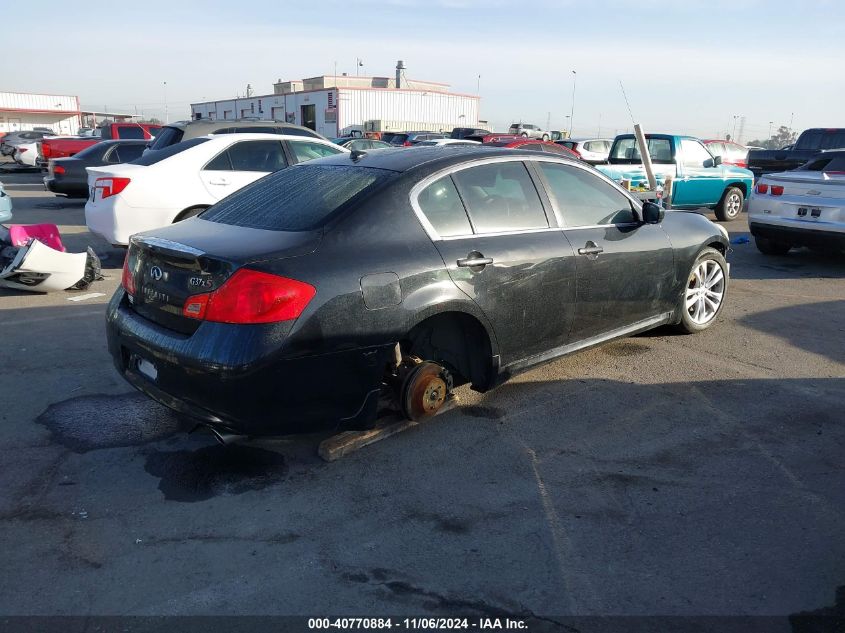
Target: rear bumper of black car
x=228 y=381
x=65 y=187
x=799 y=236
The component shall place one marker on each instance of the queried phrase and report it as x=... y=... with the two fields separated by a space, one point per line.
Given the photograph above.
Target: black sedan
x=319 y=293
x=67 y=176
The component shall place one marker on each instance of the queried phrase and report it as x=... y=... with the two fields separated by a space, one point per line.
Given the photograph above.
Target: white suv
x=802 y=207
x=528 y=131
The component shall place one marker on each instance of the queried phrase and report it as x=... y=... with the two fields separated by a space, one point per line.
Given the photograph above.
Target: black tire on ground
x=771 y=247
x=730 y=206
x=189 y=213
x=688 y=324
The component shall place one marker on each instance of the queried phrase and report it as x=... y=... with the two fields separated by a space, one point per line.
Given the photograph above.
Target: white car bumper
x=5 y=206
x=115 y=221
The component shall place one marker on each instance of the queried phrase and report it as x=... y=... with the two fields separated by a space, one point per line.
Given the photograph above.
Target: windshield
x=625 y=151
x=299 y=198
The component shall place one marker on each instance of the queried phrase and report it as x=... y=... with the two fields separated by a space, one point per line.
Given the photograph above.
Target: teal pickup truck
x=699 y=179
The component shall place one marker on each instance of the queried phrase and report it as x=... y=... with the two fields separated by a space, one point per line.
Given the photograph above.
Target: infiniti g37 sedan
x=322 y=293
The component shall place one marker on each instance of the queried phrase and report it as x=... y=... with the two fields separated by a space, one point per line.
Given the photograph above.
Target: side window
x=220 y=162
x=130 y=152
x=265 y=156
x=585 y=199
x=694 y=153
x=500 y=197
x=113 y=155
x=443 y=208
x=305 y=150
x=130 y=131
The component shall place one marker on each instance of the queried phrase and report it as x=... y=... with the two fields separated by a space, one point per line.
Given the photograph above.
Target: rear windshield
x=821 y=139
x=828 y=164
x=153 y=157
x=298 y=198
x=166 y=136
x=97 y=149
x=398 y=139
x=625 y=151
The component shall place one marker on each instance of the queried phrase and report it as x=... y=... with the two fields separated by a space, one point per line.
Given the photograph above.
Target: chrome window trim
x=545 y=158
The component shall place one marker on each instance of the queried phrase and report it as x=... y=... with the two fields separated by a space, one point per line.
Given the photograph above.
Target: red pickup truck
x=62 y=147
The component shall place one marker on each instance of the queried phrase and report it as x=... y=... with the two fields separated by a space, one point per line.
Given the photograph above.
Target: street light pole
x=166 y=116
x=478 y=86
x=572 y=111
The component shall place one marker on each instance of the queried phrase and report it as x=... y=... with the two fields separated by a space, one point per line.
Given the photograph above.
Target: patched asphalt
x=664 y=474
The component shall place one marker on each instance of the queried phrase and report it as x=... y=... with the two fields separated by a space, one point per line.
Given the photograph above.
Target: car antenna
x=356 y=154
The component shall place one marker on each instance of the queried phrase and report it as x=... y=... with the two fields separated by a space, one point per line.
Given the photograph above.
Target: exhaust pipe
x=224 y=437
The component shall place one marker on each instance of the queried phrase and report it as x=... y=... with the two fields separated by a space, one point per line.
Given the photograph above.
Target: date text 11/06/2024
x=417 y=623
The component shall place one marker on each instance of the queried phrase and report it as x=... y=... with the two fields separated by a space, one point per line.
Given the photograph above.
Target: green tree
x=783 y=137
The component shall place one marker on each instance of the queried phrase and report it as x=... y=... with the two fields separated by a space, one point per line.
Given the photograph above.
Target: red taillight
x=46 y=152
x=777 y=190
x=58 y=169
x=407 y=144
x=761 y=187
x=250 y=296
x=128 y=279
x=111 y=186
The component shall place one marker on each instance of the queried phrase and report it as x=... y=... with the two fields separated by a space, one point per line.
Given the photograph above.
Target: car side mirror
x=717 y=161
x=653 y=213
x=709 y=163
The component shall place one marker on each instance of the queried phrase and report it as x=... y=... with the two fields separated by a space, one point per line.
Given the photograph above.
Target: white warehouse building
x=336 y=105
x=25 y=111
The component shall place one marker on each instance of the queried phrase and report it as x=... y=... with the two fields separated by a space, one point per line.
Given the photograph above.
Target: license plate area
x=144 y=367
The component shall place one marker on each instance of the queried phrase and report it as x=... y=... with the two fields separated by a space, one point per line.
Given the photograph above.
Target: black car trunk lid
x=195 y=257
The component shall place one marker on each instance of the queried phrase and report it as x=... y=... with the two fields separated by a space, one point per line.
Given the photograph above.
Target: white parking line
x=90 y=295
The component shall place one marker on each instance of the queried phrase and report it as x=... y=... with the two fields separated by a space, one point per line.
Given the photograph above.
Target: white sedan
x=803 y=207
x=26 y=154
x=183 y=180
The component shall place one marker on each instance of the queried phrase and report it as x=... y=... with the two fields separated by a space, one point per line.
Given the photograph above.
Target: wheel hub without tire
x=424 y=390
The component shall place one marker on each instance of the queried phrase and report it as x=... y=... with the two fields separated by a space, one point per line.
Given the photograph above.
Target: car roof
x=232 y=123
x=402 y=159
x=265 y=136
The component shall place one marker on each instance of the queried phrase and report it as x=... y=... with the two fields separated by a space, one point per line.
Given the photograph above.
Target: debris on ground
x=32 y=257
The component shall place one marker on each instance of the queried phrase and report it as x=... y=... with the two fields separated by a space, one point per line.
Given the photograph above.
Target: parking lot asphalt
x=663 y=474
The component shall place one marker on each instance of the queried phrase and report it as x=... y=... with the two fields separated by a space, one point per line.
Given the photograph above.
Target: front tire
x=771 y=247
x=524 y=135
x=545 y=137
x=704 y=294
x=730 y=205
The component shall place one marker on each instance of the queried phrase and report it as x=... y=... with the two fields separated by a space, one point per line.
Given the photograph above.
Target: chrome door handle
x=218 y=181
x=590 y=250
x=475 y=261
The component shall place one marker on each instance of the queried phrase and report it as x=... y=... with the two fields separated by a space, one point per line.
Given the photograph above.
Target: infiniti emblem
x=155 y=273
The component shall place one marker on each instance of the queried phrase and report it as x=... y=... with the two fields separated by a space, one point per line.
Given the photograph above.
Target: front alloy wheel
x=705 y=291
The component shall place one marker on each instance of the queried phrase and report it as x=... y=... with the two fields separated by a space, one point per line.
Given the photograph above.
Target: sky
x=690 y=66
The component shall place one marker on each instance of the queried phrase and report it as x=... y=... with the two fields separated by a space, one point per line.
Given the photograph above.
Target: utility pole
x=770 y=129
x=166 y=115
x=478 y=86
x=572 y=111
